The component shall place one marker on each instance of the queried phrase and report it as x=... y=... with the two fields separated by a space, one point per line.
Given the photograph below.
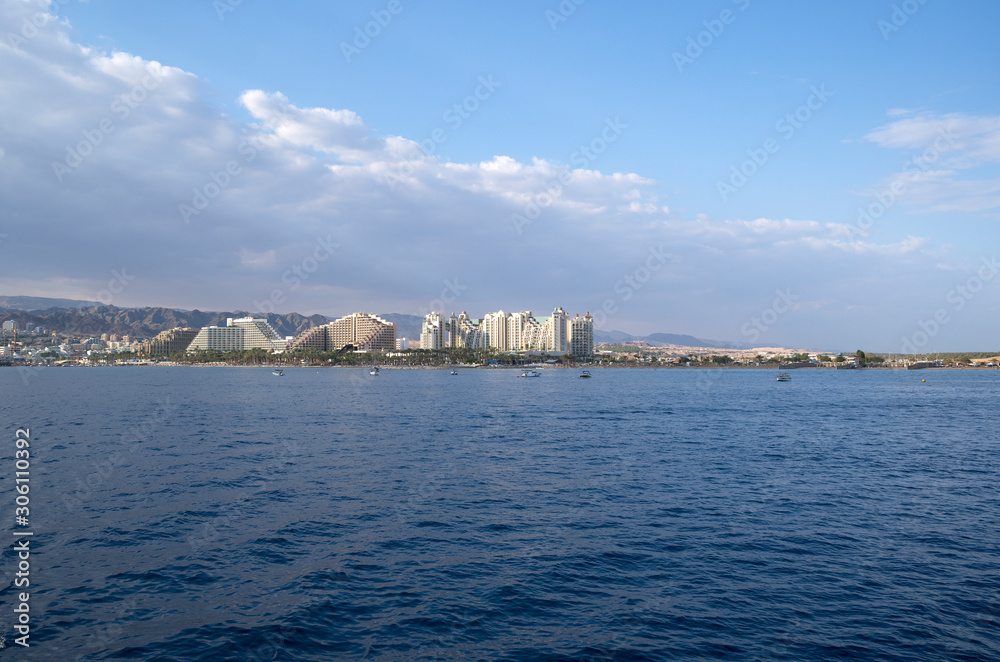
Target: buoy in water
x=923 y=380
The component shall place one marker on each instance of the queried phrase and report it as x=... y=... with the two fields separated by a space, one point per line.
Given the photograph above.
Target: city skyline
x=510 y=331
x=797 y=176
x=600 y=336
x=506 y=332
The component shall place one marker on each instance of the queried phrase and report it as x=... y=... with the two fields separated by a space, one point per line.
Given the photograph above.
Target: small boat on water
x=585 y=374
x=530 y=373
x=784 y=377
x=454 y=372
x=374 y=371
x=278 y=372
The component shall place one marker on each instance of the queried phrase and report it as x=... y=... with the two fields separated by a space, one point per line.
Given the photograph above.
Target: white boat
x=784 y=377
x=530 y=373
x=374 y=371
x=278 y=372
x=454 y=372
x=585 y=374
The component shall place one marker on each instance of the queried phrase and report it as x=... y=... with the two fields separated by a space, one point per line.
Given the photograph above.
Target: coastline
x=777 y=368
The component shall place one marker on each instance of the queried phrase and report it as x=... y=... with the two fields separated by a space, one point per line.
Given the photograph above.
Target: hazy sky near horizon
x=799 y=174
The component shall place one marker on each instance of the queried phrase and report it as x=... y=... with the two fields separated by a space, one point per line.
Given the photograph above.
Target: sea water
x=678 y=514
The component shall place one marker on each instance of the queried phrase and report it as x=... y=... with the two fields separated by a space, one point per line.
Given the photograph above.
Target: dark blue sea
x=228 y=514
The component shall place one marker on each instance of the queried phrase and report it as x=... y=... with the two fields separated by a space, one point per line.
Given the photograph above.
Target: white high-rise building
x=464 y=331
x=560 y=331
x=495 y=327
x=581 y=336
x=432 y=332
x=520 y=331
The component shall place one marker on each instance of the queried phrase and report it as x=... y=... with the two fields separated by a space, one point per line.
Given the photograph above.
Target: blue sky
x=894 y=81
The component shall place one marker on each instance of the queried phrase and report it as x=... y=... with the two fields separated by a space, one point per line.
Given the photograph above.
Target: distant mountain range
x=91 y=317
x=42 y=303
x=661 y=339
x=142 y=322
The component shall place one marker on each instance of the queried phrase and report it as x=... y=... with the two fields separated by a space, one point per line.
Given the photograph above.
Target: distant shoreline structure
x=515 y=366
x=63 y=333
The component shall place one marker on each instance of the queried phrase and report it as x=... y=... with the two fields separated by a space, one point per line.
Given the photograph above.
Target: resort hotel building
x=362 y=331
x=168 y=342
x=239 y=334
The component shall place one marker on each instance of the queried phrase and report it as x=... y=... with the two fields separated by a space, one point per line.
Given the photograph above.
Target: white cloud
x=965 y=140
x=951 y=160
x=337 y=132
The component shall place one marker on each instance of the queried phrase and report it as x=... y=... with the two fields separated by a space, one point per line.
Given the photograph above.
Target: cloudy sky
x=807 y=174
